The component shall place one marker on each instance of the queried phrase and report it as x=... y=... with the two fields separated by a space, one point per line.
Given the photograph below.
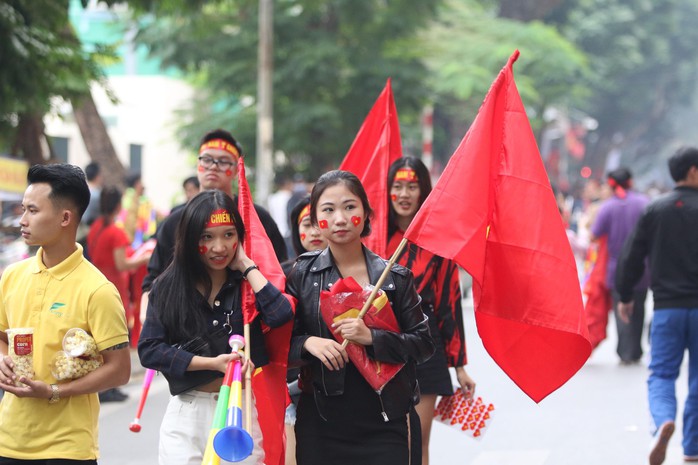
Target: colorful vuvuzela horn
x=233 y=443
x=135 y=426
x=227 y=439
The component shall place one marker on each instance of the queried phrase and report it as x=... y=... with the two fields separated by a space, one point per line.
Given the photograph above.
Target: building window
x=60 y=148
x=135 y=152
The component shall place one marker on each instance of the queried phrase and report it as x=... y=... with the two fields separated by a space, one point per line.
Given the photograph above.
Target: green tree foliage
x=644 y=59
x=40 y=58
x=331 y=60
x=467 y=46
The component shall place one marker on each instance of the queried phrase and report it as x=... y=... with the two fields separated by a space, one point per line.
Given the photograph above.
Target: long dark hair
x=178 y=303
x=423 y=179
x=354 y=185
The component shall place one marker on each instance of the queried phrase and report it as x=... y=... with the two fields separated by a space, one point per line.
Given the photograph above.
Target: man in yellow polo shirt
x=42 y=420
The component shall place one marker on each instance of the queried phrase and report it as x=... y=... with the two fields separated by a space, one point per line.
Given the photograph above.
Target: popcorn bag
x=20 y=343
x=77 y=343
x=78 y=357
x=64 y=366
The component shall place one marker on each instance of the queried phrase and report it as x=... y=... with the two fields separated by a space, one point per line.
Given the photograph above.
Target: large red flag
x=494 y=213
x=268 y=382
x=375 y=147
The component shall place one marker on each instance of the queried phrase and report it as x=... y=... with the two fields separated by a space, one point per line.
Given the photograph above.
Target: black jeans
x=8 y=461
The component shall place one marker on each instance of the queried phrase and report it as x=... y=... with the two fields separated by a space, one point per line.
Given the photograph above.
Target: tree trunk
x=97 y=141
x=30 y=131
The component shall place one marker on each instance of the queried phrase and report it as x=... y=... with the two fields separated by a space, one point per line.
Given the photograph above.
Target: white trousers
x=186 y=426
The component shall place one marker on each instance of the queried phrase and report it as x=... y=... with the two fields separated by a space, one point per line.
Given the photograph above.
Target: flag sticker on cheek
x=302 y=236
x=322 y=224
x=200 y=169
x=393 y=197
x=203 y=249
x=229 y=173
x=356 y=220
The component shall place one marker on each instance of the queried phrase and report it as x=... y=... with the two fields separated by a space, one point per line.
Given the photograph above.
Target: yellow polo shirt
x=72 y=294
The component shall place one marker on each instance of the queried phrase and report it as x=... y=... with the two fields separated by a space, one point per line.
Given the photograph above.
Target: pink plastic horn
x=135 y=426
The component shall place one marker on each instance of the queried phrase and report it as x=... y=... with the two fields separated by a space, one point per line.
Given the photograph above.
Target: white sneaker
x=661 y=441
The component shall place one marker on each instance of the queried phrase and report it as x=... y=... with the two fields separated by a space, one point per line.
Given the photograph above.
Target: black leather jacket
x=316 y=271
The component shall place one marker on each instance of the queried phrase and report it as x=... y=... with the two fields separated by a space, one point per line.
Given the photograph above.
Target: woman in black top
x=193 y=308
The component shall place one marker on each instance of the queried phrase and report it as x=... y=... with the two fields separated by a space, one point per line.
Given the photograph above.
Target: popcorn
x=77 y=343
x=20 y=343
x=64 y=366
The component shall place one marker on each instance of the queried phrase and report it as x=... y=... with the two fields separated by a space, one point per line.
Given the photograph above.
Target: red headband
x=220 y=144
x=406 y=174
x=617 y=188
x=305 y=212
x=220 y=217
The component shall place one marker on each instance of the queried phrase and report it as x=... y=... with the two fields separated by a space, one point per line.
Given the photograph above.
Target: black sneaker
x=113 y=395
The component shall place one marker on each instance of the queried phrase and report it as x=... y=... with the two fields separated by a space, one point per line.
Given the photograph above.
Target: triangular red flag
x=376 y=146
x=493 y=212
x=269 y=382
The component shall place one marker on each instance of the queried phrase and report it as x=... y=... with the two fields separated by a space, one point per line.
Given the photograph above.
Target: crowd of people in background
x=180 y=276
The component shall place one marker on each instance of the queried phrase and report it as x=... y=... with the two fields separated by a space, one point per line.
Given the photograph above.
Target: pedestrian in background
x=217 y=167
x=616 y=218
x=438 y=284
x=305 y=238
x=110 y=251
x=667 y=235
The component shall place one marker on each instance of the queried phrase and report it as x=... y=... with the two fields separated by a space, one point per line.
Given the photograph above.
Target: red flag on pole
x=493 y=212
x=375 y=147
x=269 y=381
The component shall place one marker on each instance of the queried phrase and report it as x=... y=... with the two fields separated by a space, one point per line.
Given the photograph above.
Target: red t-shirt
x=101 y=243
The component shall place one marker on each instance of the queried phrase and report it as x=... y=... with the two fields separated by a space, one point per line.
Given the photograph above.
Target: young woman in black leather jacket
x=340 y=418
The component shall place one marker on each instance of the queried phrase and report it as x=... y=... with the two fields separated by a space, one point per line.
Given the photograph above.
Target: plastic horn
x=135 y=426
x=233 y=443
x=210 y=457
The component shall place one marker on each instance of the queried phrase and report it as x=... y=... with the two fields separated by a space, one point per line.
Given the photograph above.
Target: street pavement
x=599 y=417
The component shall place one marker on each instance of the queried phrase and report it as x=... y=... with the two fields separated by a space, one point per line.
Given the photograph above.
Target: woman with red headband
x=193 y=309
x=438 y=283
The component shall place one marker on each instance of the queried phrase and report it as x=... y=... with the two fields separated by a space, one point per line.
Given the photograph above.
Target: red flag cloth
x=345 y=299
x=269 y=381
x=597 y=296
x=376 y=146
x=493 y=212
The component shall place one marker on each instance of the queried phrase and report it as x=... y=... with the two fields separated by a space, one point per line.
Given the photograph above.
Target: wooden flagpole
x=379 y=283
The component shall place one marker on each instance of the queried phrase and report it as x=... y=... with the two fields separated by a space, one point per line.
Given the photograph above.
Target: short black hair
x=109 y=200
x=132 y=177
x=221 y=134
x=191 y=180
x=92 y=170
x=68 y=184
x=621 y=176
x=681 y=162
